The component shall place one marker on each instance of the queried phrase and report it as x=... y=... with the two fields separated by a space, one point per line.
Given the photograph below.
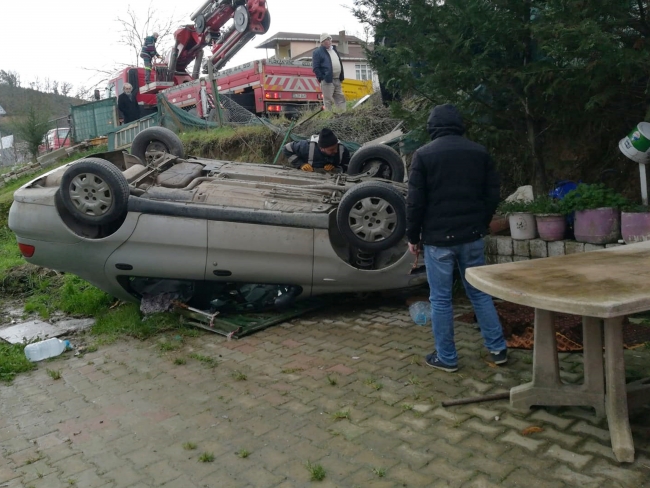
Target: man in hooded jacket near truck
x=453 y=191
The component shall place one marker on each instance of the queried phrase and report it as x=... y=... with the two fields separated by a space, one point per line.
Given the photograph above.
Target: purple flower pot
x=635 y=226
x=598 y=225
x=551 y=227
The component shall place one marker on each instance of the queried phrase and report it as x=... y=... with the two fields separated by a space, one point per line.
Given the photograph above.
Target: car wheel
x=94 y=191
x=380 y=160
x=372 y=216
x=156 y=139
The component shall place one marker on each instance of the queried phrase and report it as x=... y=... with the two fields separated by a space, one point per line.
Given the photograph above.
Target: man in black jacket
x=324 y=152
x=453 y=193
x=328 y=68
x=128 y=105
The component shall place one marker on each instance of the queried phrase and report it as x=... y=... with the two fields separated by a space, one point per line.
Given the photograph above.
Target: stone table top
x=606 y=283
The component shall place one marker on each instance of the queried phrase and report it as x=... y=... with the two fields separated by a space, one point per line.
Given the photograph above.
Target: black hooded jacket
x=453 y=185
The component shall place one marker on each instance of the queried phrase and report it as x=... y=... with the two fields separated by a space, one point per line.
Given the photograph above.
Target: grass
x=407 y=406
x=13 y=361
x=207 y=360
x=332 y=380
x=341 y=414
x=243 y=453
x=316 y=471
x=180 y=361
x=380 y=472
x=239 y=376
x=374 y=384
x=206 y=457
x=291 y=370
x=54 y=374
x=189 y=446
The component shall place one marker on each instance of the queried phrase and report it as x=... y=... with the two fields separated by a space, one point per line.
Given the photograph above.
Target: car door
x=255 y=253
x=162 y=247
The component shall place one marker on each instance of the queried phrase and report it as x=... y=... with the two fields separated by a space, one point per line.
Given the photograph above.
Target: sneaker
x=434 y=361
x=500 y=357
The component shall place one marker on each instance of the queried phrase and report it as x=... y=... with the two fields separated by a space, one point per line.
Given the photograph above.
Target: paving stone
x=483 y=428
x=521 y=477
x=585 y=428
x=621 y=474
x=504 y=246
x=556 y=248
x=538 y=248
x=572 y=247
x=525 y=442
x=504 y=259
x=578 y=461
x=544 y=416
x=576 y=479
x=594 y=247
x=521 y=248
x=520 y=258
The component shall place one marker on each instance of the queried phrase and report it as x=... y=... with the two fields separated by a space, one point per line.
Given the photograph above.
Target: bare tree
x=55 y=87
x=84 y=93
x=134 y=29
x=66 y=88
x=11 y=78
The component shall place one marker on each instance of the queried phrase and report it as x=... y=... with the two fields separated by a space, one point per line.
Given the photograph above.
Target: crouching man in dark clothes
x=453 y=191
x=324 y=152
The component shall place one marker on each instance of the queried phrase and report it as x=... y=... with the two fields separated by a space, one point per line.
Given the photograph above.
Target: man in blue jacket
x=453 y=193
x=328 y=69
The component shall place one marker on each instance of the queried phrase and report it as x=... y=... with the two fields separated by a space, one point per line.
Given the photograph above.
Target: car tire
x=372 y=216
x=390 y=163
x=94 y=191
x=157 y=139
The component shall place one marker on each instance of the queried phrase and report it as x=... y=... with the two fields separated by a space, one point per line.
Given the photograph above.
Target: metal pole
x=286 y=136
x=644 y=184
x=215 y=91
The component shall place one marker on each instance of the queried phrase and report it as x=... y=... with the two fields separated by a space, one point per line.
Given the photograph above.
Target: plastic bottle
x=46 y=349
x=420 y=312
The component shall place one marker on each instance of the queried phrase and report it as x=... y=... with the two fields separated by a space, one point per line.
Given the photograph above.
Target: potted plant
x=550 y=218
x=635 y=223
x=520 y=218
x=597 y=213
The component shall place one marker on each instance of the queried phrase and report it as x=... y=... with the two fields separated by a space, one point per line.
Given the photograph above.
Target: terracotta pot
x=498 y=224
x=522 y=226
x=635 y=226
x=598 y=225
x=551 y=227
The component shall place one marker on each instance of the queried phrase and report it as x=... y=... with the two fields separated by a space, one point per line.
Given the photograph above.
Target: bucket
x=522 y=226
x=636 y=144
x=551 y=227
x=635 y=227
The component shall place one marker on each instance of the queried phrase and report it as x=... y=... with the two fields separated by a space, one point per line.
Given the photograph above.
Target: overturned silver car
x=152 y=220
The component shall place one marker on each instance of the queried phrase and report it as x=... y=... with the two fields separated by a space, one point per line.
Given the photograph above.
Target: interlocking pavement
x=346 y=389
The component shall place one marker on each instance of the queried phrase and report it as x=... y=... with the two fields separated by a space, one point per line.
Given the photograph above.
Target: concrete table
x=602 y=287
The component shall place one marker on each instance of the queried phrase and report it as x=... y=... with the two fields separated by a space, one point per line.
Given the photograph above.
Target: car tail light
x=275 y=108
x=320 y=96
x=274 y=95
x=26 y=250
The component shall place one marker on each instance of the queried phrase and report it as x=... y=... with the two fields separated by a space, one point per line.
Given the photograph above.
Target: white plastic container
x=46 y=349
x=636 y=145
x=522 y=226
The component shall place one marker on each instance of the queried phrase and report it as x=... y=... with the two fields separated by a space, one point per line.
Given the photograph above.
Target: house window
x=363 y=71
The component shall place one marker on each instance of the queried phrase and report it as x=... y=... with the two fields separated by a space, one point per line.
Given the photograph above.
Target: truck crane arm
x=250 y=17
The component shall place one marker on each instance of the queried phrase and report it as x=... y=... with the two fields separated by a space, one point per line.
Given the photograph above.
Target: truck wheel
x=266 y=22
x=94 y=191
x=156 y=139
x=372 y=216
x=380 y=160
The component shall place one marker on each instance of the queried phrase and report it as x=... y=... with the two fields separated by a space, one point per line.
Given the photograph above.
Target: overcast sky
x=69 y=40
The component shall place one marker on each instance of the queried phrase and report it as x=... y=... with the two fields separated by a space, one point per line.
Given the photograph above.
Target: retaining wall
x=505 y=249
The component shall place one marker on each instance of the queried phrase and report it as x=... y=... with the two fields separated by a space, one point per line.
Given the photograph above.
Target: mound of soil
x=22 y=279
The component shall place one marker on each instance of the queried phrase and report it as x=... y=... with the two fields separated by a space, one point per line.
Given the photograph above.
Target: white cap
x=324 y=36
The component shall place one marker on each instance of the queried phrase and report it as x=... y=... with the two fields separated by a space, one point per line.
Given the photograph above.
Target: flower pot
x=551 y=227
x=598 y=225
x=635 y=226
x=522 y=226
x=498 y=225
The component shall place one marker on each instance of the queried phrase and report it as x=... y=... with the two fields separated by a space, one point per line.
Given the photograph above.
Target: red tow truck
x=263 y=86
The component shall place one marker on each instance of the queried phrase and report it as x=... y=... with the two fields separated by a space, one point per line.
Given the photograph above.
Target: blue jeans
x=440 y=263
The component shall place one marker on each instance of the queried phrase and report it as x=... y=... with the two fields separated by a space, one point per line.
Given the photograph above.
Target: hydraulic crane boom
x=250 y=17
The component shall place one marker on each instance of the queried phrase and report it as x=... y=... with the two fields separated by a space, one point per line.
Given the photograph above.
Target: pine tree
x=537 y=81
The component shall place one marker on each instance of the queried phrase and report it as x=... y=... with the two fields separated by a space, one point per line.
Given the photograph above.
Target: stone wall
x=505 y=249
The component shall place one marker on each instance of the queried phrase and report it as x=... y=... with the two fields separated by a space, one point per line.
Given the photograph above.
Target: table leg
x=547 y=388
x=616 y=399
x=592 y=358
x=546 y=368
